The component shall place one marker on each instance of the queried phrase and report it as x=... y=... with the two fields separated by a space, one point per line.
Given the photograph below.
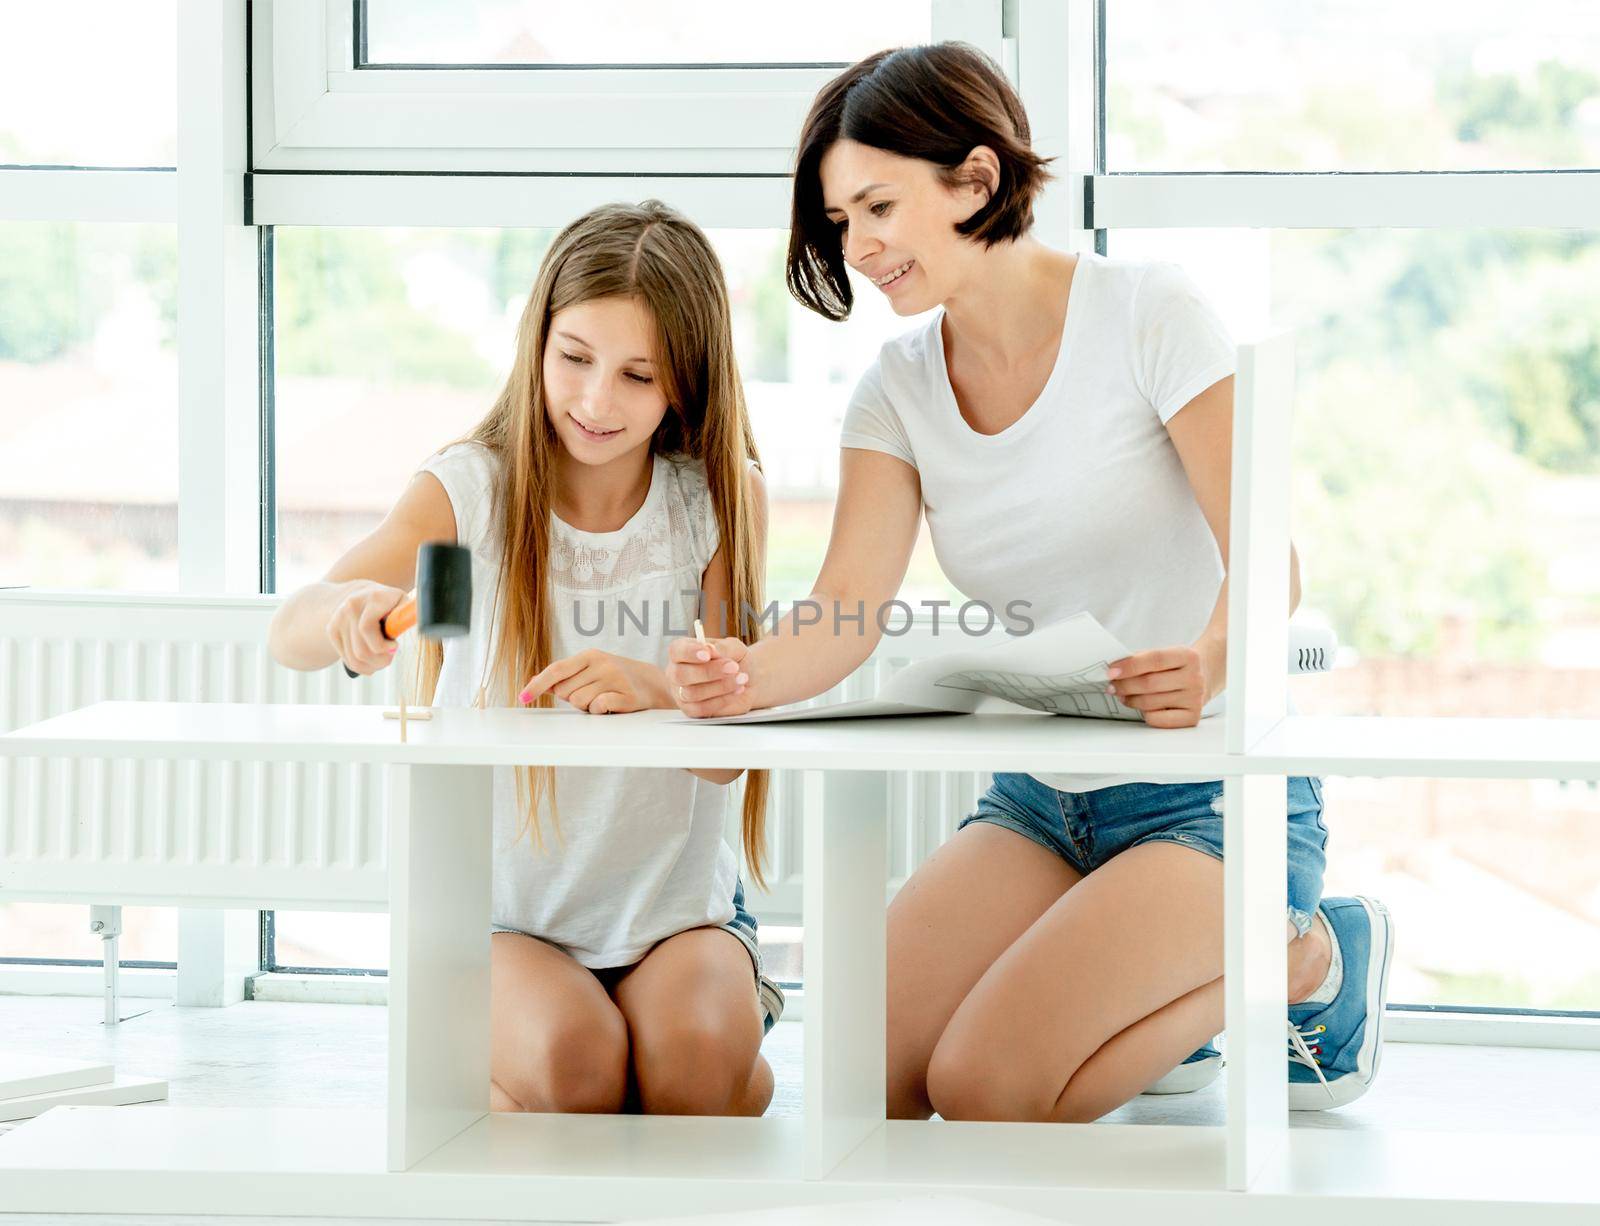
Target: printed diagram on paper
x=1074 y=693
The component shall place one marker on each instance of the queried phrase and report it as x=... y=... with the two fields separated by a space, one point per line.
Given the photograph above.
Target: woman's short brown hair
x=937 y=103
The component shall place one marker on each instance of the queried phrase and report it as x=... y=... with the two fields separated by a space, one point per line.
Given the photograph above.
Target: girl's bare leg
x=696 y=1028
x=557 y=1042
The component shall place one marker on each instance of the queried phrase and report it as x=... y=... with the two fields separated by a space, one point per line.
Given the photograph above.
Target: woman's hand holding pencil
x=708 y=677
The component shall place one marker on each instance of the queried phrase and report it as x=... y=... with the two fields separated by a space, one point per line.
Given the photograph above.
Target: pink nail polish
x=742 y=678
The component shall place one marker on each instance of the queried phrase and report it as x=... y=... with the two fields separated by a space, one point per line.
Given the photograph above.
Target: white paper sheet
x=1059 y=669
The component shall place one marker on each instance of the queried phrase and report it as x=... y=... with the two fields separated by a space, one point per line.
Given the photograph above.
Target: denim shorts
x=743 y=926
x=1088 y=828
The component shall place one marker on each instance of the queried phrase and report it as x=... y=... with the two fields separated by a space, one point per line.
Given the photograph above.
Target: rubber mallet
x=440 y=607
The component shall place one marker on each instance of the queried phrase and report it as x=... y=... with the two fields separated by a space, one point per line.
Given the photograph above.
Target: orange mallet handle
x=394 y=623
x=399 y=619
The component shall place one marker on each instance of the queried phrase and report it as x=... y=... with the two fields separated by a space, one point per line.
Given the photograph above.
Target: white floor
x=273 y=1054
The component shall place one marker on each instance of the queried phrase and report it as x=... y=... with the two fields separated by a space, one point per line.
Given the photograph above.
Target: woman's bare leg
x=1100 y=1084
x=949 y=923
x=1138 y=934
x=946 y=937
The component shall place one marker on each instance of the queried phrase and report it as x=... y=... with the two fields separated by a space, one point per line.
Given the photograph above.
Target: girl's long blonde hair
x=653 y=253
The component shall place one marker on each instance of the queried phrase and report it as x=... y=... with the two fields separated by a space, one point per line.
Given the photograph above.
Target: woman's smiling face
x=601 y=389
x=897 y=221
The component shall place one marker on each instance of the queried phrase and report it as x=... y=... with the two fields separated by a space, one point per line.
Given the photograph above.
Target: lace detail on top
x=673 y=530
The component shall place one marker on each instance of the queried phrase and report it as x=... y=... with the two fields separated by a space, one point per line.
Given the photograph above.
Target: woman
x=1064 y=421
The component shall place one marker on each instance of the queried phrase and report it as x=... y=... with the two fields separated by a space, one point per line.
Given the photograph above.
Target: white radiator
x=222 y=834
x=163 y=832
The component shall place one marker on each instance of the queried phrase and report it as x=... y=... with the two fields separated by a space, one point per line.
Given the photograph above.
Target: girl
x=1065 y=423
x=611 y=491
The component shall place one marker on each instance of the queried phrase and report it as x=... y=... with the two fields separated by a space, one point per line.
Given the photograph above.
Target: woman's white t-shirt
x=640 y=854
x=1082 y=503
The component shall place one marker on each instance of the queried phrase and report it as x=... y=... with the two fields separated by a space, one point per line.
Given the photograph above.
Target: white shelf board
x=25 y=1076
x=297 y=1162
x=1300 y=744
x=564 y=737
x=157 y=1137
x=173 y=1160
x=1483 y=1169
x=622 y=1147
x=119 y=1091
x=1149 y=1157
x=1459 y=748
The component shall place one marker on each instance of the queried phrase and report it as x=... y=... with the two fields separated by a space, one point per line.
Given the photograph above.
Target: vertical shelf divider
x=846 y=857
x=440 y=834
x=1256 y=806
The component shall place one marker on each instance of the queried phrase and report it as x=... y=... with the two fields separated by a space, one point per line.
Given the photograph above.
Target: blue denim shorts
x=1088 y=828
x=743 y=926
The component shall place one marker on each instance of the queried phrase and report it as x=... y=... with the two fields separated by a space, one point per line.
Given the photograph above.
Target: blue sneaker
x=1195 y=1073
x=1334 y=1047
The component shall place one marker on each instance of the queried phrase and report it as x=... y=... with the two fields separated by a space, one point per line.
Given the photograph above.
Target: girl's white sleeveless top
x=640 y=853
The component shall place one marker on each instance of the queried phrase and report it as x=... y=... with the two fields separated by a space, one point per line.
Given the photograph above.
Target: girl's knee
x=696 y=1066
x=577 y=1067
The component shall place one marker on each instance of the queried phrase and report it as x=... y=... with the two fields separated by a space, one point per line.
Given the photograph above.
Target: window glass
x=1446 y=510
x=1352 y=85
x=61 y=931
x=88 y=83
x=710 y=32
x=393 y=343
x=88 y=406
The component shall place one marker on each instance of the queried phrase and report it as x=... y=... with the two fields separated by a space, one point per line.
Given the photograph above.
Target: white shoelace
x=1303 y=1054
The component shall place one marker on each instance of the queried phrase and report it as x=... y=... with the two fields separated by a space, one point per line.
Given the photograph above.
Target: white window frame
x=219 y=538
x=722 y=202
x=313 y=110
x=1483 y=199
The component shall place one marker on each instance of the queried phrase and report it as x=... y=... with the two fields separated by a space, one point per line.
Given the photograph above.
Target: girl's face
x=898 y=222
x=601 y=389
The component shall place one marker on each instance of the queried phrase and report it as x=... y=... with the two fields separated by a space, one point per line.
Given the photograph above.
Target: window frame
x=278 y=126
x=318 y=109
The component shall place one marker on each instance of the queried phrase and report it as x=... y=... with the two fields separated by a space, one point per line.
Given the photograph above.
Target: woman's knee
x=969 y=1081
x=696 y=1065
x=578 y=1065
x=906 y=1083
